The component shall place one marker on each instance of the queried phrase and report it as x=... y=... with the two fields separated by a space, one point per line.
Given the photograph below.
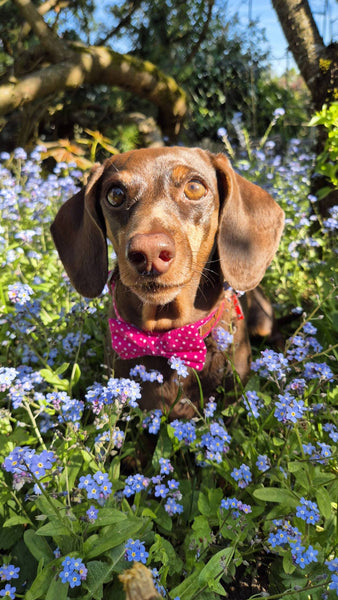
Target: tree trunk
x=317 y=63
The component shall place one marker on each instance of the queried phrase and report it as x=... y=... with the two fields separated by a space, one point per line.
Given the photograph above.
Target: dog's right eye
x=116 y=195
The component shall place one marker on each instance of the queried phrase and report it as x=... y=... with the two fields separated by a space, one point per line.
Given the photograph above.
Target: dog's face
x=161 y=212
x=165 y=211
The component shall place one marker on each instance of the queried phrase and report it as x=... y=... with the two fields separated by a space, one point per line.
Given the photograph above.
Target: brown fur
x=174 y=252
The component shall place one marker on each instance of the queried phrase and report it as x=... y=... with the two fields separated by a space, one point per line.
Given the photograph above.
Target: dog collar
x=186 y=343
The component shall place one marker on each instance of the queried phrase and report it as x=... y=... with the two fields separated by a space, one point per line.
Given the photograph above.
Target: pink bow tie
x=186 y=343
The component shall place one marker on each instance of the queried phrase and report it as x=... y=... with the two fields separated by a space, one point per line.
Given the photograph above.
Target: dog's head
x=166 y=211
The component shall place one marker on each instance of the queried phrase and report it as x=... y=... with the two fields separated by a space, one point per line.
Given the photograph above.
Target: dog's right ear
x=79 y=235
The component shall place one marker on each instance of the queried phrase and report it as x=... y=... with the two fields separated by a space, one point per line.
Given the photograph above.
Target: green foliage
x=236 y=491
x=327 y=161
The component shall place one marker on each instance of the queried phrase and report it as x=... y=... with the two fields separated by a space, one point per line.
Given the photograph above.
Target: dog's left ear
x=250 y=227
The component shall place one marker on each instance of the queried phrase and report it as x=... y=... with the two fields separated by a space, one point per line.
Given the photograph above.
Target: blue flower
x=222 y=132
x=242 y=475
x=134 y=484
x=210 y=407
x=309 y=328
x=184 y=431
x=123 y=391
x=141 y=372
x=25 y=461
x=165 y=466
x=135 y=551
x=297 y=385
x=289 y=409
x=73 y=572
x=303 y=558
x=253 y=403
x=97 y=487
x=7 y=376
x=178 y=365
x=308 y=511
x=8 y=591
x=308 y=449
x=8 y=572
x=20 y=293
x=161 y=491
x=332 y=564
x=263 y=463
x=92 y=513
x=271 y=362
x=222 y=338
x=173 y=484
x=235 y=506
x=153 y=421
x=314 y=370
x=279 y=112
x=172 y=507
x=19 y=153
x=215 y=442
x=333 y=585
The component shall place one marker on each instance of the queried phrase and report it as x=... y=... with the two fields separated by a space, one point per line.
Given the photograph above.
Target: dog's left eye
x=194 y=190
x=116 y=195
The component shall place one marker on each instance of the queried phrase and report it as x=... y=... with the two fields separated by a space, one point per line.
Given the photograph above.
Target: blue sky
x=325 y=13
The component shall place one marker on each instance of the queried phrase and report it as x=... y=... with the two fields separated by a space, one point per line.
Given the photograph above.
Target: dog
x=187 y=231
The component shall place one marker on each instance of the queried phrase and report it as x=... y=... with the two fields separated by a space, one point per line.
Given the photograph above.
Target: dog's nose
x=151 y=253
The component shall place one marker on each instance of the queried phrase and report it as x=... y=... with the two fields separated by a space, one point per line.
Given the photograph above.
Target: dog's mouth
x=157 y=292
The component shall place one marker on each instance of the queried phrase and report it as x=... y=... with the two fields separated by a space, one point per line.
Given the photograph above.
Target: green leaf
x=53 y=528
x=189 y=586
x=37 y=546
x=108 y=516
x=279 y=495
x=288 y=565
x=324 y=502
x=54 y=379
x=98 y=574
x=164 y=552
x=201 y=527
x=76 y=374
x=9 y=536
x=57 y=590
x=17 y=520
x=217 y=587
x=214 y=569
x=111 y=537
x=41 y=583
x=204 y=505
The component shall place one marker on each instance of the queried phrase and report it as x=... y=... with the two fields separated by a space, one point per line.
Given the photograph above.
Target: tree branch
x=96 y=66
x=56 y=48
x=124 y=21
x=203 y=33
x=42 y=10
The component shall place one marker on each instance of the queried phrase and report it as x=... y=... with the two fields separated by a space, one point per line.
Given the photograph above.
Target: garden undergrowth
x=90 y=483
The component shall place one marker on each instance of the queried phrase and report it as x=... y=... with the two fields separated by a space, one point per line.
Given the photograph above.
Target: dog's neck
x=194 y=302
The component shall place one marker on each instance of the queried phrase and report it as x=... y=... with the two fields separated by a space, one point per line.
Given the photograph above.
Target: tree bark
x=317 y=63
x=74 y=64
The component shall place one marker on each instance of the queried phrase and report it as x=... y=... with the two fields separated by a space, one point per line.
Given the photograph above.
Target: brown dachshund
x=184 y=227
